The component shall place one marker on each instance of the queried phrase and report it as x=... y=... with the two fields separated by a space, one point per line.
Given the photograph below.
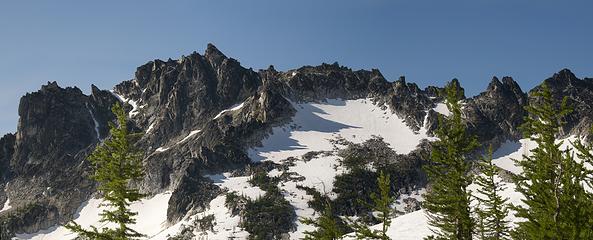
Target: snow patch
x=133 y=103
x=226 y=225
x=442 y=109
x=151 y=219
x=161 y=149
x=318 y=173
x=6 y=205
x=509 y=192
x=240 y=185
x=191 y=134
x=417 y=194
x=412 y=226
x=233 y=108
x=95 y=121
x=151 y=127
x=415 y=225
x=509 y=151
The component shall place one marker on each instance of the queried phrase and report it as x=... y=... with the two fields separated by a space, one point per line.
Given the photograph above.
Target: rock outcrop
x=495 y=115
x=45 y=174
x=579 y=96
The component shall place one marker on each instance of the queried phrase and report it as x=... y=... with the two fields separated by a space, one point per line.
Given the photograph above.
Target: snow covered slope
x=509 y=151
x=316 y=123
x=152 y=218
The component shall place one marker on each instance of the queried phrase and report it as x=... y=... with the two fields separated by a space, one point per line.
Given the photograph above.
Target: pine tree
x=582 y=212
x=480 y=227
x=447 y=203
x=556 y=205
x=326 y=224
x=116 y=162
x=492 y=207
x=382 y=205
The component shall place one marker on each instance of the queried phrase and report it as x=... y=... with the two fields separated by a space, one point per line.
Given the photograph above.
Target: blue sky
x=79 y=43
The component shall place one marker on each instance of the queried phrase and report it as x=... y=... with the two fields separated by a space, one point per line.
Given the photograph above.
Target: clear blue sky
x=430 y=42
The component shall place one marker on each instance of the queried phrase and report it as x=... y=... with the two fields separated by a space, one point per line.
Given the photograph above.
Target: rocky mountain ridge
x=200 y=114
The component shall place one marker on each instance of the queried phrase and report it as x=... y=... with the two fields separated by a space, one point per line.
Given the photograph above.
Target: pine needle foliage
x=447 y=203
x=327 y=226
x=492 y=207
x=381 y=205
x=583 y=215
x=116 y=163
x=556 y=204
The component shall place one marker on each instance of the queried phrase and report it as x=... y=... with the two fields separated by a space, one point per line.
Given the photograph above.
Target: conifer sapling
x=116 y=163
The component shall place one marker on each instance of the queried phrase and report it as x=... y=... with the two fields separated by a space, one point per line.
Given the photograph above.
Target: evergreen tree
x=382 y=205
x=481 y=223
x=582 y=212
x=492 y=207
x=556 y=205
x=116 y=162
x=327 y=226
x=447 y=203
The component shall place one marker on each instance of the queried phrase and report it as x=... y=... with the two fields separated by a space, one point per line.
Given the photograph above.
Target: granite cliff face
x=579 y=95
x=200 y=114
x=496 y=114
x=44 y=172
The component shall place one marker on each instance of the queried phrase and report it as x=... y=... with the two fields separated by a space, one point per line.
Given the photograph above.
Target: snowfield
x=316 y=123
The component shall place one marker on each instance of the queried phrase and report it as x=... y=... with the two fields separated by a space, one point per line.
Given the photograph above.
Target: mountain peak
x=213 y=55
x=494 y=84
x=564 y=75
x=50 y=86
